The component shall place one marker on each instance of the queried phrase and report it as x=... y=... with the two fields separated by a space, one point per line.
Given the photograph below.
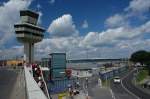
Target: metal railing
x=46 y=89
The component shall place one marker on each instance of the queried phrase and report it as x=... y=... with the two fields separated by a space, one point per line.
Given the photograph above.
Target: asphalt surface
x=120 y=92
x=7 y=82
x=127 y=82
x=94 y=91
x=99 y=93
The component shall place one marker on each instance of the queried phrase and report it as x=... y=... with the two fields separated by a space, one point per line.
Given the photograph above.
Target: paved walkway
x=7 y=83
x=80 y=96
x=100 y=93
x=19 y=91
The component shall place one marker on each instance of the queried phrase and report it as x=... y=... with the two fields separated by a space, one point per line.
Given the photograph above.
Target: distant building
x=81 y=73
x=14 y=62
x=45 y=62
x=58 y=73
x=11 y=62
x=57 y=65
x=3 y=62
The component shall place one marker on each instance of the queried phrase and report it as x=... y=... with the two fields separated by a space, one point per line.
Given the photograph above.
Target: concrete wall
x=19 y=90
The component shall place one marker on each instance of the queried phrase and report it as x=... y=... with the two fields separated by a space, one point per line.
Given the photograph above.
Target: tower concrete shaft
x=29 y=52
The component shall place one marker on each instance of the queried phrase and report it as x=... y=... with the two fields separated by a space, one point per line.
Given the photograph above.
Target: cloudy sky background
x=81 y=28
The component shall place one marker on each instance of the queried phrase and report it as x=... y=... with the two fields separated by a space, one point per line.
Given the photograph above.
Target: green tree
x=142 y=57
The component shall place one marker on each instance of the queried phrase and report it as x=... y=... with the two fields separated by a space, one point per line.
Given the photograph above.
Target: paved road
x=126 y=90
x=120 y=92
x=128 y=84
x=7 y=82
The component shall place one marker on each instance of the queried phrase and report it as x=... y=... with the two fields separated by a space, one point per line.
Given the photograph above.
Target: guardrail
x=33 y=90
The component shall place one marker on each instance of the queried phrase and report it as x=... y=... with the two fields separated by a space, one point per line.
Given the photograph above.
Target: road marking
x=126 y=88
x=112 y=94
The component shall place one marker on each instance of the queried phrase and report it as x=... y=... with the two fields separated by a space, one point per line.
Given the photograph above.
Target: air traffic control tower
x=28 y=32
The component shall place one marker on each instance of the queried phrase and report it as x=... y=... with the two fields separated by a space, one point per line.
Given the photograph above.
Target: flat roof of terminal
x=57 y=53
x=83 y=66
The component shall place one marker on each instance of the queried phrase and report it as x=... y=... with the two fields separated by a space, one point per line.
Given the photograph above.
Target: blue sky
x=95 y=12
x=99 y=28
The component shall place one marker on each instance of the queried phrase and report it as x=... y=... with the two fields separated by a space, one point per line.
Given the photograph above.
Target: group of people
x=37 y=74
x=73 y=90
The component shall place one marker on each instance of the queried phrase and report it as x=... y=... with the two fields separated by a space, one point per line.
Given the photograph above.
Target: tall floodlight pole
x=29 y=33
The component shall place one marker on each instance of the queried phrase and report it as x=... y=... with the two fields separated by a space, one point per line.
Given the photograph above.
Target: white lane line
x=112 y=94
x=126 y=88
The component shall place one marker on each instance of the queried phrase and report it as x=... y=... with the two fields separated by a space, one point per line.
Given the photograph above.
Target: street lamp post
x=87 y=53
x=106 y=80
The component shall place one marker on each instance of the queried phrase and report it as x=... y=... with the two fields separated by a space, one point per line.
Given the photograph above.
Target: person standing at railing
x=34 y=69
x=38 y=72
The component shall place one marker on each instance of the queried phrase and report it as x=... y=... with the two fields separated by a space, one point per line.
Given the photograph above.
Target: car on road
x=117 y=79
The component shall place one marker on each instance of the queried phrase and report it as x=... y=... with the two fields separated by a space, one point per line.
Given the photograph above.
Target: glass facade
x=58 y=73
x=28 y=19
x=58 y=65
x=58 y=61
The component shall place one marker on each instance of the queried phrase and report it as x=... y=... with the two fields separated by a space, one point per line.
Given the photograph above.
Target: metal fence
x=59 y=85
x=113 y=72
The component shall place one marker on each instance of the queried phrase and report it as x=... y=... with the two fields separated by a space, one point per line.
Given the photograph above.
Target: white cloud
x=51 y=1
x=145 y=28
x=92 y=38
x=116 y=20
x=118 y=41
x=51 y=45
x=58 y=44
x=10 y=15
x=63 y=27
x=121 y=34
x=85 y=24
x=113 y=42
x=104 y=38
x=115 y=35
x=108 y=47
x=12 y=52
x=134 y=45
x=138 y=6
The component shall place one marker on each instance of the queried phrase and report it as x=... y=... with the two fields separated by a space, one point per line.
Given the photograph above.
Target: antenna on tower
x=38 y=6
x=24 y=7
